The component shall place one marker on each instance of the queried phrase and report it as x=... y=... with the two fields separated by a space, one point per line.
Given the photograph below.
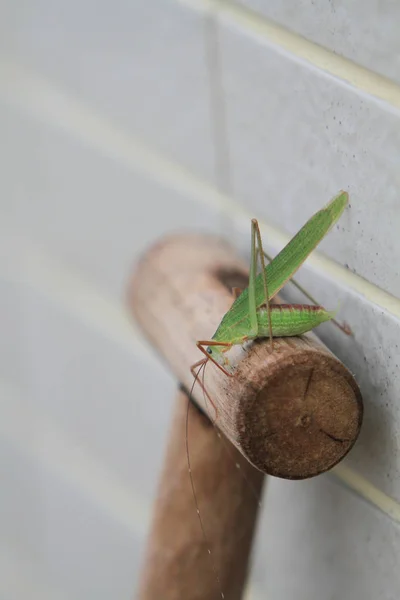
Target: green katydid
x=251 y=316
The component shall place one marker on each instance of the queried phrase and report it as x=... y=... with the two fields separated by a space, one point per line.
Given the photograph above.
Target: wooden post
x=177 y=564
x=293 y=410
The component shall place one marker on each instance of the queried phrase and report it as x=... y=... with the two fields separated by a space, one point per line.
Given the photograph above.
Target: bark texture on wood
x=293 y=409
x=177 y=563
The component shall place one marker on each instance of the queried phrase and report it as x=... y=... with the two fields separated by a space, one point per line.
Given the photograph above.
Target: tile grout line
x=248 y=20
x=42 y=100
x=32 y=266
x=366 y=490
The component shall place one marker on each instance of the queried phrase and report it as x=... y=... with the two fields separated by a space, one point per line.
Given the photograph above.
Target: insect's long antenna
x=256 y=495
x=202 y=384
x=202 y=365
x=226 y=443
x=230 y=451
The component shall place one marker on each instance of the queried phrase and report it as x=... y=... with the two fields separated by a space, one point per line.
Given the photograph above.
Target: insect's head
x=217 y=355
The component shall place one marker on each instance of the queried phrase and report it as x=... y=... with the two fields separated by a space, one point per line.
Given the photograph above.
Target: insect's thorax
x=233 y=333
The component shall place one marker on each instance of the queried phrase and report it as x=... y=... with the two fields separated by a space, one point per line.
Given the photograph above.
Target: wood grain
x=177 y=564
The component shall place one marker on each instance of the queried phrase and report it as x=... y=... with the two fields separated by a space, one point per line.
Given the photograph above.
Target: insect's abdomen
x=291 y=319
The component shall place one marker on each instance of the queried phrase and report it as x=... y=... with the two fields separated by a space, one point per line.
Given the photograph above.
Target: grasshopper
x=252 y=315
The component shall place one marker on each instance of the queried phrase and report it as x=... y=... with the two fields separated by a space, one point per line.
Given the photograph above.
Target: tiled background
x=120 y=122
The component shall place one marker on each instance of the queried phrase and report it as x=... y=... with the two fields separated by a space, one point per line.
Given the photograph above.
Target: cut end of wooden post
x=305 y=419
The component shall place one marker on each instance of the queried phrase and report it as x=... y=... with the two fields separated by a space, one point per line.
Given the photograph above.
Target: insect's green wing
x=290 y=259
x=286 y=263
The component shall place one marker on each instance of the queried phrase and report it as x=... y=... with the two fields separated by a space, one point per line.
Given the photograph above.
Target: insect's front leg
x=344 y=327
x=202 y=346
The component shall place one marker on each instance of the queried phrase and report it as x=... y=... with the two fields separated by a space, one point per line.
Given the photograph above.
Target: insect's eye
x=209 y=350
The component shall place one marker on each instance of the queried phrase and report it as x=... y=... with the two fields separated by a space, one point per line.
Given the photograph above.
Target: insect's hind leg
x=344 y=327
x=259 y=252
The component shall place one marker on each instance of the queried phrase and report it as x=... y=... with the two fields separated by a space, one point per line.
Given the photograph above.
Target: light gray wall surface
x=118 y=124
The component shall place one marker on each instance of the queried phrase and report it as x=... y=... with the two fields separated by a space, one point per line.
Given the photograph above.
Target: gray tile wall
x=111 y=139
x=364 y=33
